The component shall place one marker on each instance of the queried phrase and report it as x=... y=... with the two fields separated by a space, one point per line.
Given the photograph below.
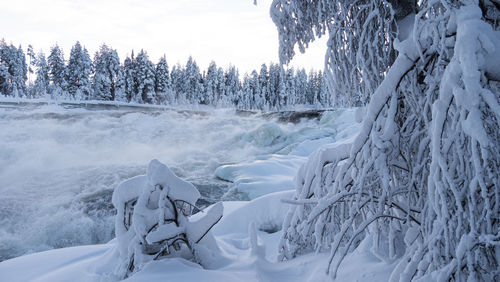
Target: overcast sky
x=226 y=31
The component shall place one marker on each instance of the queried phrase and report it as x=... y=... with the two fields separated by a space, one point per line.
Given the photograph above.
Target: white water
x=58 y=166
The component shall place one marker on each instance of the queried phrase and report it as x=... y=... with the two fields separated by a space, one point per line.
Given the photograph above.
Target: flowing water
x=60 y=164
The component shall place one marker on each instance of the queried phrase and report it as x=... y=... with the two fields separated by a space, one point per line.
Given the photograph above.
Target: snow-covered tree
x=13 y=70
x=255 y=91
x=264 y=87
x=145 y=78
x=129 y=78
x=421 y=180
x=211 y=83
x=41 y=85
x=231 y=87
x=360 y=39
x=192 y=77
x=57 y=70
x=31 y=63
x=178 y=83
x=79 y=70
x=5 y=77
x=162 y=81
x=273 y=86
x=290 y=87
x=108 y=75
x=20 y=71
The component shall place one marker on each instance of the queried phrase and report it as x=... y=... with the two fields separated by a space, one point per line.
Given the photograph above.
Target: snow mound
x=153 y=221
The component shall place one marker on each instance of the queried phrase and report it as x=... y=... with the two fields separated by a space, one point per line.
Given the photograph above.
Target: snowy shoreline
x=266 y=181
x=241 y=261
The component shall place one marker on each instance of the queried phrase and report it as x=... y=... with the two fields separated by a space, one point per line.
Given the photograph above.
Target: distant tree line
x=138 y=80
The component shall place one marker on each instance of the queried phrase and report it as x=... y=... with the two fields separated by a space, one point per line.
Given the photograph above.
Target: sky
x=228 y=32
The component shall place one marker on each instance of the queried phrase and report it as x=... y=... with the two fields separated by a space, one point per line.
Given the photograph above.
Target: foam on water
x=58 y=166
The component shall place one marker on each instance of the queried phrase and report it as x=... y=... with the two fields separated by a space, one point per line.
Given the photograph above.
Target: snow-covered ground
x=59 y=166
x=241 y=261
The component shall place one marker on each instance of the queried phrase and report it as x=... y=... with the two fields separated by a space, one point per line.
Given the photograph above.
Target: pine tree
x=162 y=81
x=281 y=94
x=220 y=86
x=13 y=70
x=145 y=78
x=130 y=87
x=108 y=76
x=79 y=70
x=179 y=83
x=290 y=87
x=5 y=77
x=255 y=91
x=19 y=71
x=245 y=94
x=231 y=87
x=210 y=84
x=57 y=70
x=264 y=88
x=42 y=80
x=192 y=77
x=31 y=63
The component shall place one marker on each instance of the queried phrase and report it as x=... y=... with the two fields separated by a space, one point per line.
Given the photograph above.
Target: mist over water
x=59 y=166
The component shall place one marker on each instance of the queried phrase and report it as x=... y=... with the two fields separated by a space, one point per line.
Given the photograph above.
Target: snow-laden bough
x=421 y=180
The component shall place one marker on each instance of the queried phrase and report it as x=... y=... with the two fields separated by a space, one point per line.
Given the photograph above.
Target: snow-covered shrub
x=153 y=221
x=422 y=178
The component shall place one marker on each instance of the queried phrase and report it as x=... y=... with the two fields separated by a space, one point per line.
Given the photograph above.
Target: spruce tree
x=57 y=71
x=79 y=70
x=108 y=78
x=145 y=78
x=42 y=80
x=162 y=81
x=130 y=87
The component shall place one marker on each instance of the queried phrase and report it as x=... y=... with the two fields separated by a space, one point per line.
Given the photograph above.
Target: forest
x=138 y=80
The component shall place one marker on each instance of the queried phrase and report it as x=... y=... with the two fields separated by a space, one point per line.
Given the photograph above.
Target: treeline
x=138 y=80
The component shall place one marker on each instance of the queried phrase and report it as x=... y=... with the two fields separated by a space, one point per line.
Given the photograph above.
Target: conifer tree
x=31 y=63
x=130 y=87
x=162 y=81
x=79 y=70
x=42 y=80
x=192 y=77
x=210 y=84
x=57 y=70
x=108 y=76
x=145 y=78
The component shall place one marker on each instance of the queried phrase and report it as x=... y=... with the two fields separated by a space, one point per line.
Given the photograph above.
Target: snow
x=277 y=171
x=245 y=238
x=262 y=176
x=59 y=163
x=239 y=261
x=178 y=189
